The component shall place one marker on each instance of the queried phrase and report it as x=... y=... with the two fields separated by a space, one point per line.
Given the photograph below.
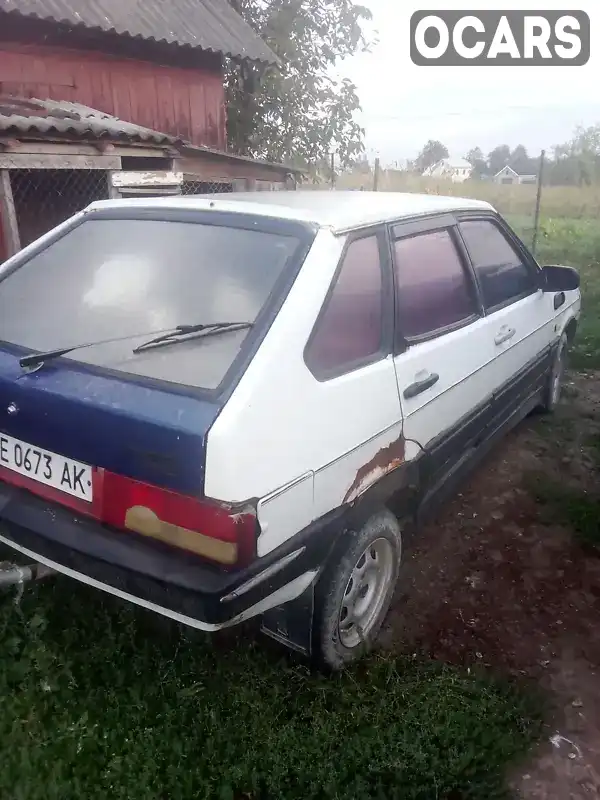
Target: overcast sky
x=404 y=105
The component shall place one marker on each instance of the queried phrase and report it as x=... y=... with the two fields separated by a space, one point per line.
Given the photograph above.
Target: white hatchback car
x=248 y=399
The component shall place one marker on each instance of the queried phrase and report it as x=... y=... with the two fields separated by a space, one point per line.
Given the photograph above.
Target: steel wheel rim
x=366 y=592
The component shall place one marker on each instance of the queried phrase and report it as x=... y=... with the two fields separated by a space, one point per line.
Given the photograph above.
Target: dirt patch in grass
x=505 y=578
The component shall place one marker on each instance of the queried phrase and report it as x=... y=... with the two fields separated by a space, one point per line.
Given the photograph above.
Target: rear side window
x=433 y=291
x=349 y=331
x=127 y=278
x=501 y=271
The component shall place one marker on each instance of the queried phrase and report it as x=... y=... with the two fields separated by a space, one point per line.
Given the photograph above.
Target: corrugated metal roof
x=204 y=24
x=41 y=118
x=49 y=116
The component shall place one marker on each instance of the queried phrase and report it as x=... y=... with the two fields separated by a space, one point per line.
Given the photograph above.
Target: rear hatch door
x=127 y=273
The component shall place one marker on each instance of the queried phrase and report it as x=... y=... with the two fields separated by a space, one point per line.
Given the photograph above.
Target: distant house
x=455 y=169
x=507 y=175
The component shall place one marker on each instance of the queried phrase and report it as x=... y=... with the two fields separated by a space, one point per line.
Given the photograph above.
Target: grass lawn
x=98 y=703
x=575 y=242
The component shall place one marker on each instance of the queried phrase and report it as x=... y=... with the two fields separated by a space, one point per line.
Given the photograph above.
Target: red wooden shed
x=97 y=88
x=158 y=63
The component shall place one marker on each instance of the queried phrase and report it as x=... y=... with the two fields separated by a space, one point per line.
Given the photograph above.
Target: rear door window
x=433 y=290
x=109 y=278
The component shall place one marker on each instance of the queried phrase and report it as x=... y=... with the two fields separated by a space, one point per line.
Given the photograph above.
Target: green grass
x=572 y=507
x=96 y=704
x=567 y=502
x=594 y=447
x=575 y=242
x=573 y=202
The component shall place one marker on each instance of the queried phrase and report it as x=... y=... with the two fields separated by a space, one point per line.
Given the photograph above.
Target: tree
x=433 y=152
x=521 y=162
x=361 y=164
x=297 y=112
x=582 y=155
x=474 y=155
x=563 y=170
x=498 y=158
x=477 y=160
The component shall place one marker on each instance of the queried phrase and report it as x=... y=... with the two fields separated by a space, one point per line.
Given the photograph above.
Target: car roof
x=339 y=210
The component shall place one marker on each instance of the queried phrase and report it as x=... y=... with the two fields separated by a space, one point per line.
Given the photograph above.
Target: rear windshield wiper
x=36 y=359
x=205 y=329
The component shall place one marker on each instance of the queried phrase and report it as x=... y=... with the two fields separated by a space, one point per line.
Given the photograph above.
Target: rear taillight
x=201 y=527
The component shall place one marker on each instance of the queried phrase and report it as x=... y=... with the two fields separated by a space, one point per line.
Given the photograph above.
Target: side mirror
x=559 y=279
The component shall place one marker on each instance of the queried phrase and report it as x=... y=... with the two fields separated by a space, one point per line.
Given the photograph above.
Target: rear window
x=110 y=278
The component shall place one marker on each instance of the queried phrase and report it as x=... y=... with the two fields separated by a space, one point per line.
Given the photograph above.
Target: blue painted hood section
x=145 y=433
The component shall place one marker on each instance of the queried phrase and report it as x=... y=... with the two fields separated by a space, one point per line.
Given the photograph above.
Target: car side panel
x=522 y=364
x=522 y=333
x=451 y=416
x=522 y=360
x=448 y=417
x=291 y=446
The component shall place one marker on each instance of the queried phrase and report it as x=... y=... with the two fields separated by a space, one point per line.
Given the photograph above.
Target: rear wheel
x=557 y=375
x=355 y=592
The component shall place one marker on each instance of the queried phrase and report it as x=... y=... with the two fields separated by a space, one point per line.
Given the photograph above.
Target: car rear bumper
x=170 y=582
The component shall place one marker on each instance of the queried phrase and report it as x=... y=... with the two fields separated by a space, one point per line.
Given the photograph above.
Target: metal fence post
x=538 y=201
x=376 y=176
x=113 y=192
x=8 y=215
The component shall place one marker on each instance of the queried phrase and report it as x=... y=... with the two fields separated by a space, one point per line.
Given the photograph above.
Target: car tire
x=354 y=593
x=552 y=393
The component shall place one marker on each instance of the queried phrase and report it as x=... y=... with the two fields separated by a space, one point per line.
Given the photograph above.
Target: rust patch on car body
x=386 y=460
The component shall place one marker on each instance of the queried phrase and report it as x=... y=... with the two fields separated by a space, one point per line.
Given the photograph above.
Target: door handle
x=504 y=335
x=559 y=300
x=421 y=386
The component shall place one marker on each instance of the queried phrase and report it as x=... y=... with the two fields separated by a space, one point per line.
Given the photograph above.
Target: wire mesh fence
x=530 y=203
x=542 y=212
x=205 y=187
x=175 y=188
x=43 y=198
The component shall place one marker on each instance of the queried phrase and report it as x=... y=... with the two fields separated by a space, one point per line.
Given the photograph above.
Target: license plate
x=46 y=467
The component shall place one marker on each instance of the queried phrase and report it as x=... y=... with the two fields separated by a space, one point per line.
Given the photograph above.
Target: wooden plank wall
x=189 y=103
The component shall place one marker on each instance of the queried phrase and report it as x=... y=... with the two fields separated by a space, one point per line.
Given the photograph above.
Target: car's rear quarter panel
x=289 y=441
